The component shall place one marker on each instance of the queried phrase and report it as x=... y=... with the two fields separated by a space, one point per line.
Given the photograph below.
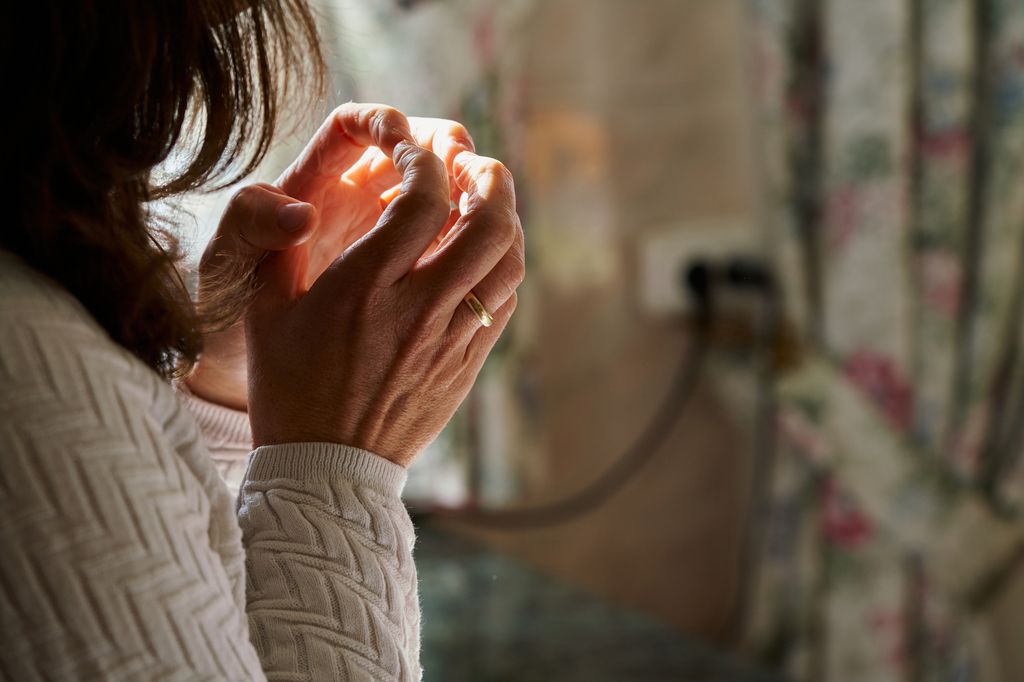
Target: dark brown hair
x=100 y=92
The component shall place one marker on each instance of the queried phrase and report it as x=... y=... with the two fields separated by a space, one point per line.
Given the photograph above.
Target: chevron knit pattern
x=123 y=555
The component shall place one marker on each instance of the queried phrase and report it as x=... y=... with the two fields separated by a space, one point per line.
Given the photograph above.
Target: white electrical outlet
x=666 y=253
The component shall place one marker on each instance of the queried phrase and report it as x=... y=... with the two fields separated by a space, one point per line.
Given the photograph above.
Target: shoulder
x=107 y=484
x=54 y=354
x=43 y=329
x=67 y=390
x=104 y=468
x=27 y=292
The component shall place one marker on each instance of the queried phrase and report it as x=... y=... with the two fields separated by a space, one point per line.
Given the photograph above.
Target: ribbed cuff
x=319 y=461
x=221 y=426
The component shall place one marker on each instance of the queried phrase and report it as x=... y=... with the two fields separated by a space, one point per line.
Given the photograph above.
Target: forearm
x=331 y=582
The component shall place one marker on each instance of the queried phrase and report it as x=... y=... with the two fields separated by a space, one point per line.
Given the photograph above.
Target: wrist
x=317 y=461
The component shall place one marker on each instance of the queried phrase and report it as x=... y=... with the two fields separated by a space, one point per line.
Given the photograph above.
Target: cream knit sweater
x=123 y=555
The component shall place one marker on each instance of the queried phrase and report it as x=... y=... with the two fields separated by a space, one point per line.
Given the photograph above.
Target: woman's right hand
x=380 y=350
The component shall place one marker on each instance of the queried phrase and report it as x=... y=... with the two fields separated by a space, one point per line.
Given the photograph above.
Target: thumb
x=261 y=218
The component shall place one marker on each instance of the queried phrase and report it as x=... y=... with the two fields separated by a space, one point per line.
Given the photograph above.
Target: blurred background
x=774 y=308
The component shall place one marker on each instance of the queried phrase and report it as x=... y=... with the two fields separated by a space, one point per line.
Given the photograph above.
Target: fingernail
x=292 y=217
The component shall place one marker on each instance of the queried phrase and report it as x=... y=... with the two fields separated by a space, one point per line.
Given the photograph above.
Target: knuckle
x=513 y=303
x=501 y=213
x=501 y=236
x=506 y=228
x=497 y=243
x=242 y=212
x=459 y=132
x=429 y=162
x=344 y=110
x=347 y=109
x=490 y=166
x=430 y=186
x=242 y=198
x=337 y=115
x=455 y=128
x=509 y=283
x=343 y=115
x=518 y=270
x=385 y=118
x=511 y=224
x=512 y=273
x=495 y=227
x=359 y=121
x=505 y=313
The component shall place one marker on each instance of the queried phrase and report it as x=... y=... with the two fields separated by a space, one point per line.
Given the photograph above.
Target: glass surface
x=490 y=618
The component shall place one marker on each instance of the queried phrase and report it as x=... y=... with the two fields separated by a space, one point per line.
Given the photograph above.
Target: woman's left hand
x=258 y=219
x=325 y=216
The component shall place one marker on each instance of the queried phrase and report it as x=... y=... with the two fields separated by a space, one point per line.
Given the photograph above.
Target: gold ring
x=478 y=309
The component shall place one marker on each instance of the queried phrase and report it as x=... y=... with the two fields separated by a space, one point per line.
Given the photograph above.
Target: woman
x=331 y=309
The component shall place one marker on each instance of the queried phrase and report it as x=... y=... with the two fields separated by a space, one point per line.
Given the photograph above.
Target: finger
x=376 y=173
x=483 y=340
x=260 y=218
x=445 y=138
x=341 y=141
x=458 y=209
x=453 y=218
x=412 y=220
x=391 y=193
x=481 y=237
x=497 y=287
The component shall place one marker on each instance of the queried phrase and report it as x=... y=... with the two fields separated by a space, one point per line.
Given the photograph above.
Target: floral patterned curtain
x=892 y=146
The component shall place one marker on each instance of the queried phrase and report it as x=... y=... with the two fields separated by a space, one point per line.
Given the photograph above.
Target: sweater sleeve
x=329 y=552
x=331 y=583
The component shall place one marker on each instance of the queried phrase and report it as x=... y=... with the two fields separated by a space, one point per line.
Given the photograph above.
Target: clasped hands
x=357 y=333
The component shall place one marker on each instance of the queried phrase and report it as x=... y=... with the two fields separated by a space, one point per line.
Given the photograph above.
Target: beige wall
x=635 y=120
